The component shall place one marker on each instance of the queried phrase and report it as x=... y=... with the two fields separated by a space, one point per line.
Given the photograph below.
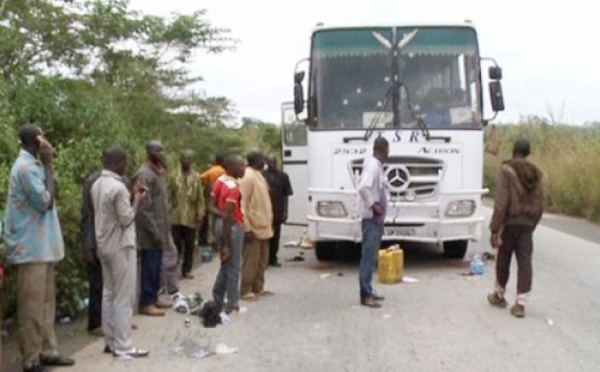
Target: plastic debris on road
x=476 y=266
x=387 y=316
x=325 y=276
x=223 y=349
x=291 y=244
x=550 y=322
x=225 y=319
x=408 y=279
x=201 y=354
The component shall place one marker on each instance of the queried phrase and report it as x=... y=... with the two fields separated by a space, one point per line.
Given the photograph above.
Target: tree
x=95 y=73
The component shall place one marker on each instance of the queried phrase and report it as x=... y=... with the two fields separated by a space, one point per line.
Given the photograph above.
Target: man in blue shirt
x=34 y=243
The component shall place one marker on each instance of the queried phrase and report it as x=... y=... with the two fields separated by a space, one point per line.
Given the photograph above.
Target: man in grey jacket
x=114 y=217
x=154 y=233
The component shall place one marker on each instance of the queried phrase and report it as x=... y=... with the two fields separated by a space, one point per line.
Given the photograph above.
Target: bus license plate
x=399 y=231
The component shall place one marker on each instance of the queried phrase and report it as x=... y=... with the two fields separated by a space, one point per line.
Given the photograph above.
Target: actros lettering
x=439 y=150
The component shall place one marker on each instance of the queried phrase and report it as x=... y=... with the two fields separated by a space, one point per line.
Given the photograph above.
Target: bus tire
x=325 y=251
x=455 y=249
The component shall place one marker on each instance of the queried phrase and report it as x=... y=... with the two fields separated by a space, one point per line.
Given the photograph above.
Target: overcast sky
x=548 y=50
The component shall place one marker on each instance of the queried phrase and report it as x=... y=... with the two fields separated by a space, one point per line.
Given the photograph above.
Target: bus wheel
x=325 y=251
x=455 y=249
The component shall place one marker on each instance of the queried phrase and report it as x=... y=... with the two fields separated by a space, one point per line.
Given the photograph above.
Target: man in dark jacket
x=88 y=250
x=518 y=208
x=154 y=232
x=280 y=191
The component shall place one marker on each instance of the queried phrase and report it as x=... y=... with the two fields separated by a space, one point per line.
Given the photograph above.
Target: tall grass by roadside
x=568 y=155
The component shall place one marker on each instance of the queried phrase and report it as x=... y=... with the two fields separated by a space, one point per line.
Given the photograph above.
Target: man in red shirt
x=229 y=232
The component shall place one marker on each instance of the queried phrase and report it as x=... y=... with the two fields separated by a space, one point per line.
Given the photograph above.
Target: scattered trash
x=325 y=276
x=296 y=259
x=292 y=243
x=65 y=320
x=550 y=322
x=206 y=255
x=387 y=316
x=476 y=266
x=225 y=319
x=176 y=350
x=224 y=349
x=187 y=322
x=210 y=314
x=306 y=244
x=488 y=256
x=201 y=354
x=408 y=279
x=340 y=274
x=187 y=304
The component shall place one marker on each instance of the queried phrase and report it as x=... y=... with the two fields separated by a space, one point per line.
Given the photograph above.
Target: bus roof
x=322 y=26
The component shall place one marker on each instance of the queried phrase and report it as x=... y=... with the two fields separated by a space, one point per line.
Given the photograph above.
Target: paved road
x=440 y=323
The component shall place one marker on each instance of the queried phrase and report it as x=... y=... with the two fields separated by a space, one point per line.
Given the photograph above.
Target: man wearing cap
x=518 y=208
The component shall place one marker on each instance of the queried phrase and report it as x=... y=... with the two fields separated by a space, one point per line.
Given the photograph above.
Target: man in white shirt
x=114 y=218
x=372 y=208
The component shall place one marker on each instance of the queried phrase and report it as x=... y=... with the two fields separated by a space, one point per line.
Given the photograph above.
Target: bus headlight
x=460 y=208
x=331 y=209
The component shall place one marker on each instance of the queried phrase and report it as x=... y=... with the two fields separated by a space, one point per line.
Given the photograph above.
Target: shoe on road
x=518 y=311
x=151 y=310
x=370 y=302
x=496 y=300
x=133 y=353
x=56 y=361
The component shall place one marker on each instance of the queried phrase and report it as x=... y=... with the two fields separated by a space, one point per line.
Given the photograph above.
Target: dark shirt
x=279 y=189
x=152 y=219
x=88 y=235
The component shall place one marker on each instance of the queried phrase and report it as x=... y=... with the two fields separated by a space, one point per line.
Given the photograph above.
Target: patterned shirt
x=114 y=216
x=32 y=232
x=187 y=199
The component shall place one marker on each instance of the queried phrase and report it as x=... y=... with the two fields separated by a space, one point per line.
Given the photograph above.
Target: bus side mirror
x=495 y=73
x=298 y=92
x=496 y=96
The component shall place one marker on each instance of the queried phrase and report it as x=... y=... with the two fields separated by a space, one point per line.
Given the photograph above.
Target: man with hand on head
x=34 y=244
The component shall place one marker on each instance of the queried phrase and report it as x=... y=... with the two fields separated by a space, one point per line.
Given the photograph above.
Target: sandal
x=249 y=297
x=133 y=353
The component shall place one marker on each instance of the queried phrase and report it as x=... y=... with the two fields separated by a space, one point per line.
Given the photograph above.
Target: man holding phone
x=34 y=244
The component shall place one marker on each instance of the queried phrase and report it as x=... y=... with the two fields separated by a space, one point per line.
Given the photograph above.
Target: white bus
x=418 y=86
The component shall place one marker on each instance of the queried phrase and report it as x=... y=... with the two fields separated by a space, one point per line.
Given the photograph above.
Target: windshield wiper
x=374 y=121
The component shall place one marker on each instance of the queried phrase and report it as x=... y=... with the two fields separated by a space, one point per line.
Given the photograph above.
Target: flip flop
x=133 y=352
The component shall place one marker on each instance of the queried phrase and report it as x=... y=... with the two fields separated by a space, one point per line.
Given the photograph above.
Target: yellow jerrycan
x=390 y=268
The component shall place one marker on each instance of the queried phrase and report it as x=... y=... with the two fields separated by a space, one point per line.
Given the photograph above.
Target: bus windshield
x=352 y=78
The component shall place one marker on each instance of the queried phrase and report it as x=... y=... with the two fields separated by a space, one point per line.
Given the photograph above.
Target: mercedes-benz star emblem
x=397 y=177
